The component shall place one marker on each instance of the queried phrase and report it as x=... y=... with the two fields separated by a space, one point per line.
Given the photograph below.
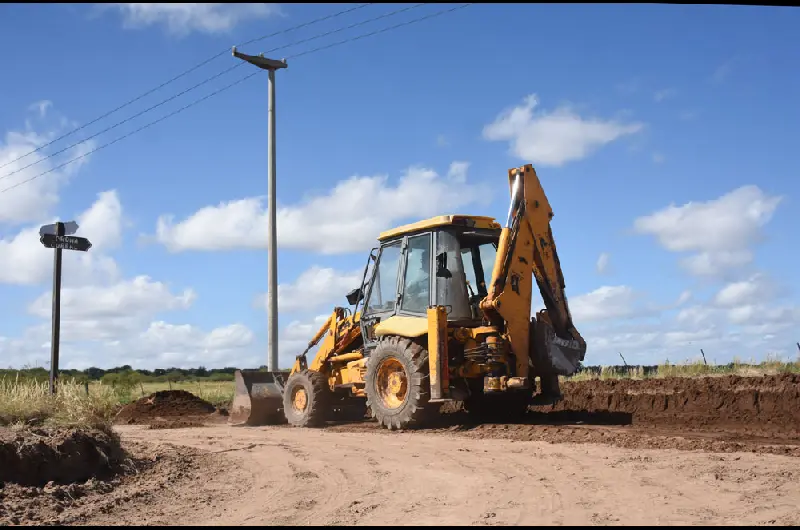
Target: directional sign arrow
x=65 y=242
x=70 y=228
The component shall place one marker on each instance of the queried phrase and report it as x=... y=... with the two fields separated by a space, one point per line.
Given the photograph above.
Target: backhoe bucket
x=258 y=399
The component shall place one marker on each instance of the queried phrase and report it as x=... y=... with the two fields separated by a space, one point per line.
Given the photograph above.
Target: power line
x=420 y=19
x=143 y=127
x=51 y=155
x=182 y=74
x=226 y=87
x=197 y=85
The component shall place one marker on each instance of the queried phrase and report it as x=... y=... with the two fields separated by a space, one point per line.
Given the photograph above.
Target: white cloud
x=181 y=19
x=458 y=172
x=41 y=107
x=553 y=138
x=696 y=315
x=128 y=298
x=115 y=325
x=739 y=321
x=302 y=331
x=347 y=219
x=602 y=263
x=24 y=195
x=604 y=303
x=720 y=232
x=187 y=345
x=157 y=345
x=661 y=95
x=743 y=292
x=24 y=260
x=684 y=297
x=316 y=287
x=294 y=339
x=100 y=313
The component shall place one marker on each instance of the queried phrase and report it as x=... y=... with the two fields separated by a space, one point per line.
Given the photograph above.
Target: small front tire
x=306 y=399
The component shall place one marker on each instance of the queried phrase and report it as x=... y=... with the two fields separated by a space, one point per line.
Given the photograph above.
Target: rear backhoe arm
x=553 y=346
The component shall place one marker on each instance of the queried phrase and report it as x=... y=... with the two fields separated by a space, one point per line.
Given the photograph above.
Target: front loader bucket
x=258 y=399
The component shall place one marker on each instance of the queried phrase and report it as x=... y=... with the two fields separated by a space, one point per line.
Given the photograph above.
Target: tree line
x=126 y=373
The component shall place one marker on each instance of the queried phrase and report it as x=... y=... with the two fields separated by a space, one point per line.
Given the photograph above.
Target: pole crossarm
x=261 y=61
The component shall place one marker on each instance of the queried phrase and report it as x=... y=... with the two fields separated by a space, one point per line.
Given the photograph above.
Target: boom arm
x=340 y=331
x=527 y=244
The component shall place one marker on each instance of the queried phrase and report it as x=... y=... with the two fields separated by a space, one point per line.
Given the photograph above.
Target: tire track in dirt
x=412 y=478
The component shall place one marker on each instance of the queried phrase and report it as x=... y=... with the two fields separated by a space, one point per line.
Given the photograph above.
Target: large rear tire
x=397 y=384
x=306 y=399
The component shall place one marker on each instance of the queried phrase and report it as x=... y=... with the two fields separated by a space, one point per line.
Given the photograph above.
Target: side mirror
x=355 y=296
x=441 y=266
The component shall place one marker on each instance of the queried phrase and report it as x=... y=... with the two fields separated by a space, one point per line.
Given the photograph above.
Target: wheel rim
x=299 y=399
x=392 y=383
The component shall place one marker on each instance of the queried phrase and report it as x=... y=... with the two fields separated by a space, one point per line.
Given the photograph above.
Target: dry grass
x=25 y=401
x=692 y=369
x=29 y=402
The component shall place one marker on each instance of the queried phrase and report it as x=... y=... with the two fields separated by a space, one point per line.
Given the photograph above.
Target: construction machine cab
x=444 y=261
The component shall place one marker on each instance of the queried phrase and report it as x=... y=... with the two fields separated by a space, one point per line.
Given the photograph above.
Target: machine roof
x=472 y=221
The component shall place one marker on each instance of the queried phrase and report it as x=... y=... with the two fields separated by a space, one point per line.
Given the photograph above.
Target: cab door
x=383 y=297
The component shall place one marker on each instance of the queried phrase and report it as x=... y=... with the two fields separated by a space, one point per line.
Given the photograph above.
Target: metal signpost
x=58 y=236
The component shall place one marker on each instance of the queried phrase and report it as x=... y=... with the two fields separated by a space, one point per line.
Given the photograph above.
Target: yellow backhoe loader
x=426 y=327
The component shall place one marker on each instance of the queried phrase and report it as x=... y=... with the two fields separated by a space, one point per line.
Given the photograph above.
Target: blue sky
x=665 y=137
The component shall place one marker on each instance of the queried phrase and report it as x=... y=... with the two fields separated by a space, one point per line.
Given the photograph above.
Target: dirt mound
x=758 y=405
x=166 y=404
x=148 y=474
x=718 y=414
x=35 y=457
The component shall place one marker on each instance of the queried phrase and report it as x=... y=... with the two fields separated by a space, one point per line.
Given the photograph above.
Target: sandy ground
x=287 y=476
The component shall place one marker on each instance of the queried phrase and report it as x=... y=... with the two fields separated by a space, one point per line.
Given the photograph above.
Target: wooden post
x=623 y=360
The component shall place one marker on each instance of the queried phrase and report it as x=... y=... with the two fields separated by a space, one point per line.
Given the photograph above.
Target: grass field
x=27 y=401
x=691 y=369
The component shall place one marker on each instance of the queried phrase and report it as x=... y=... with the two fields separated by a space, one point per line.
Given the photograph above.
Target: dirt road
x=716 y=450
x=286 y=476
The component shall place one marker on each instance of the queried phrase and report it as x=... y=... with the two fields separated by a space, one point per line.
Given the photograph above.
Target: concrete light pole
x=272 y=234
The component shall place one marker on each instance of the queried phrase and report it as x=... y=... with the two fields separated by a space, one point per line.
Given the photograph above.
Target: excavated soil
x=719 y=414
x=38 y=456
x=140 y=486
x=170 y=409
x=761 y=405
